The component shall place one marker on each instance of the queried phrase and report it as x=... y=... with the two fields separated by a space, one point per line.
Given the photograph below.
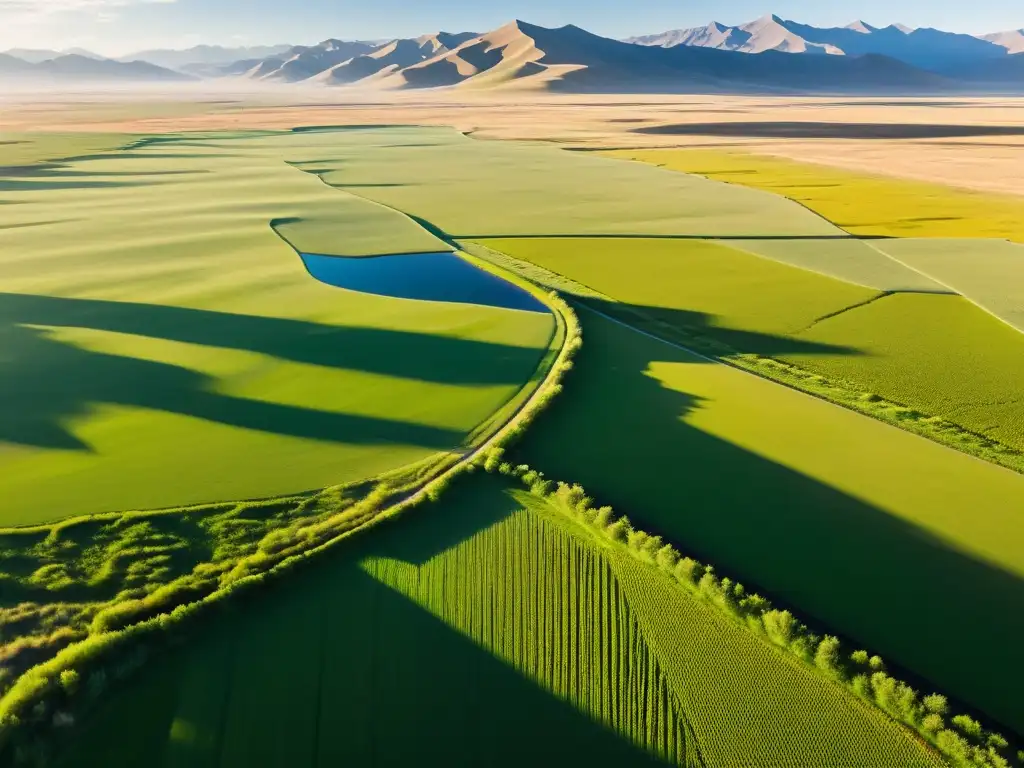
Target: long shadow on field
x=45 y=381
x=330 y=667
x=821 y=130
x=15 y=185
x=669 y=321
x=938 y=612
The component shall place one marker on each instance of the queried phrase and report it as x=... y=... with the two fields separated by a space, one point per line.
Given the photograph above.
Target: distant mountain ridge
x=39 y=55
x=76 y=68
x=770 y=54
x=203 y=55
x=522 y=55
x=392 y=57
x=931 y=49
x=1012 y=40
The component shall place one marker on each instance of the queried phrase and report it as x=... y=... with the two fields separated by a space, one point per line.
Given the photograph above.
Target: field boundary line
x=40 y=685
x=796 y=389
x=579 y=294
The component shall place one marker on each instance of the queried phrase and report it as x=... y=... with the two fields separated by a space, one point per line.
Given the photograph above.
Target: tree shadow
x=64 y=173
x=404 y=354
x=679 y=324
x=822 y=130
x=15 y=185
x=360 y=663
x=942 y=614
x=47 y=382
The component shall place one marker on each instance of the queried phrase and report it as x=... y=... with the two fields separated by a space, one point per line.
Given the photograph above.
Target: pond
x=425 y=276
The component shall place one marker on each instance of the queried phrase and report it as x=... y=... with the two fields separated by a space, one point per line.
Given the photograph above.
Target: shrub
x=861 y=685
x=688 y=572
x=996 y=741
x=780 y=627
x=603 y=518
x=828 y=657
x=69 y=681
x=667 y=558
x=932 y=723
x=968 y=725
x=618 y=531
x=954 y=745
x=636 y=541
x=492 y=458
x=936 y=703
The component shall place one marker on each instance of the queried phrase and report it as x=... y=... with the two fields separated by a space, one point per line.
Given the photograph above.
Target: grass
x=164 y=346
x=851 y=260
x=859 y=203
x=477 y=188
x=988 y=272
x=506 y=616
x=21 y=151
x=813 y=503
x=937 y=356
x=698 y=281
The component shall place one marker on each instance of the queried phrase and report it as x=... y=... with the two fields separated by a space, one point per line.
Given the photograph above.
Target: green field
x=164 y=346
x=560 y=653
x=886 y=537
x=937 y=354
x=851 y=260
x=859 y=203
x=989 y=273
x=23 y=151
x=474 y=188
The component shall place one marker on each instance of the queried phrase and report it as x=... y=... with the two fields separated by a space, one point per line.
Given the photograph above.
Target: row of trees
x=960 y=738
x=124 y=636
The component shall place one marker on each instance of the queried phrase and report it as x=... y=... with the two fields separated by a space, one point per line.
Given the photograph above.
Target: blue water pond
x=426 y=276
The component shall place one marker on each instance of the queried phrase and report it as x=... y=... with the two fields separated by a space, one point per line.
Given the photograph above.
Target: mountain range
x=769 y=54
x=78 y=68
x=932 y=49
x=571 y=59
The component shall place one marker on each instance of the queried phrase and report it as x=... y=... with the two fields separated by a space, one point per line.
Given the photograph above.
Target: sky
x=117 y=27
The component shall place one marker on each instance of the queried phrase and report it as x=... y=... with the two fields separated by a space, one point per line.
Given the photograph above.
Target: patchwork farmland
x=284 y=414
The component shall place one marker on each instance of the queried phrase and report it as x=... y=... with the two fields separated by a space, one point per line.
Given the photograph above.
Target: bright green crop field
x=858 y=203
x=163 y=348
x=21 y=151
x=938 y=354
x=989 y=273
x=162 y=345
x=484 y=632
x=472 y=188
x=901 y=535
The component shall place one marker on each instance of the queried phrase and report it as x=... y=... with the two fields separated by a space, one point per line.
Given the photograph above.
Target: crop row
x=123 y=635
x=959 y=737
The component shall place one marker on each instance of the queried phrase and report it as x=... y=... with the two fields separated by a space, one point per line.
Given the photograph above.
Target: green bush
x=867 y=678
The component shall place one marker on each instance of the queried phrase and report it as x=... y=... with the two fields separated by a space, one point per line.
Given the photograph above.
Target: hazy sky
x=121 y=26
